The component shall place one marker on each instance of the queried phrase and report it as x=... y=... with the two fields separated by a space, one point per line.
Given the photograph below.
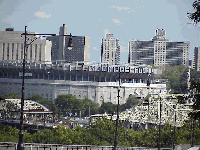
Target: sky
x=125 y=19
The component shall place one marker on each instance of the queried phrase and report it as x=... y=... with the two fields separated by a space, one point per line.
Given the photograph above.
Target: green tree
x=194 y=75
x=8 y=134
x=89 y=107
x=195 y=88
x=68 y=104
x=104 y=130
x=177 y=78
x=108 y=107
x=195 y=16
x=130 y=102
x=12 y=95
x=63 y=135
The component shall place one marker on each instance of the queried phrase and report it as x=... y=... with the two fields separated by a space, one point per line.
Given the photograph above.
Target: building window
x=8 y=52
x=12 y=50
x=31 y=52
x=17 y=52
x=35 y=51
x=40 y=51
x=21 y=51
x=3 y=50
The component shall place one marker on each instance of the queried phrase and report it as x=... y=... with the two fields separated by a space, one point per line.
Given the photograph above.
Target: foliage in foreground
x=102 y=133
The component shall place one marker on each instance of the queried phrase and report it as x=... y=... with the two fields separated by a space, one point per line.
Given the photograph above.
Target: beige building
x=12 y=47
x=110 y=50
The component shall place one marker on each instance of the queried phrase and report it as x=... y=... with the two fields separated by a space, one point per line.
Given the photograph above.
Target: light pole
x=174 y=127
x=20 y=145
x=159 y=141
x=117 y=120
x=148 y=88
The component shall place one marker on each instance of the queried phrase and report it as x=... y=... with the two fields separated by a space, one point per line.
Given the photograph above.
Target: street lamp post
x=117 y=120
x=148 y=88
x=174 y=128
x=159 y=141
x=20 y=145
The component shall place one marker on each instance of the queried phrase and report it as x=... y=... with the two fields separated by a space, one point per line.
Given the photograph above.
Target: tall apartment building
x=158 y=51
x=110 y=50
x=141 y=52
x=12 y=47
x=60 y=51
x=196 y=62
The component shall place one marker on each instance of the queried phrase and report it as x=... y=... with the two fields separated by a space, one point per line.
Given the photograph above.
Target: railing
x=35 y=146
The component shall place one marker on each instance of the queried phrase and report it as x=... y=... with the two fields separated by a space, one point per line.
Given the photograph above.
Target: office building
x=12 y=47
x=60 y=51
x=158 y=51
x=141 y=52
x=110 y=50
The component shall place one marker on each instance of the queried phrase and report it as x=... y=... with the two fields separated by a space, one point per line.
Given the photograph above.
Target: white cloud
x=123 y=49
x=116 y=21
x=6 y=20
x=105 y=31
x=121 y=8
x=43 y=15
x=94 y=48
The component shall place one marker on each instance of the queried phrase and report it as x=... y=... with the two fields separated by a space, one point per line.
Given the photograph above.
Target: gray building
x=60 y=51
x=158 y=51
x=110 y=50
x=196 y=61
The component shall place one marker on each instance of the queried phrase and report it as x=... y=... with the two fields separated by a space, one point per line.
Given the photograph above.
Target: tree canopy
x=130 y=102
x=177 y=78
x=12 y=95
x=195 y=16
x=108 y=107
x=195 y=88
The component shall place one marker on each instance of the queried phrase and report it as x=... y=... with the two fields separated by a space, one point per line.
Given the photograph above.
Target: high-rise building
x=110 y=50
x=60 y=51
x=12 y=47
x=158 y=51
x=141 y=52
x=196 y=62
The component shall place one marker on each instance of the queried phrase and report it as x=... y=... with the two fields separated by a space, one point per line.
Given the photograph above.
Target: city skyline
x=125 y=20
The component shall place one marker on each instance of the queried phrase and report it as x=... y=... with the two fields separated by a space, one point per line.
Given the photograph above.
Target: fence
x=35 y=146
